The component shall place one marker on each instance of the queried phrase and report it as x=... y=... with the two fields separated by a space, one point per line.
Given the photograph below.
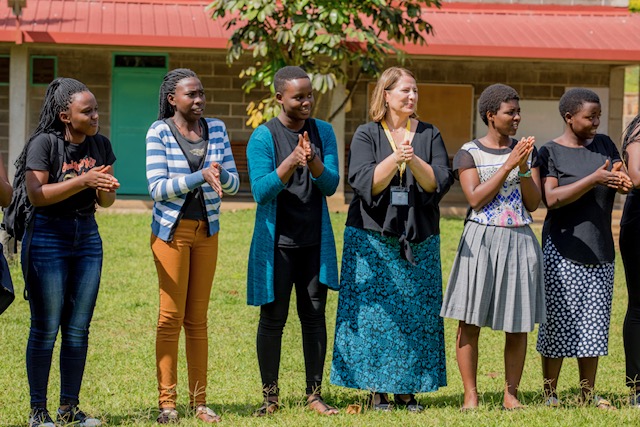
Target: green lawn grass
x=120 y=384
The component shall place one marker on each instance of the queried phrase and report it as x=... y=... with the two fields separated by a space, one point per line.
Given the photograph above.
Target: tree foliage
x=322 y=36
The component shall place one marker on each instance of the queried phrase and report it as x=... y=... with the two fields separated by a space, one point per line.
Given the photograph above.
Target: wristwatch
x=527 y=174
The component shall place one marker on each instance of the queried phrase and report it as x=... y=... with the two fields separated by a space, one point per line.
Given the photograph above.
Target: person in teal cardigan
x=293 y=167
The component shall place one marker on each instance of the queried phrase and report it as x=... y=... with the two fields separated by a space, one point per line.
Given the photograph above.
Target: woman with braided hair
x=189 y=166
x=68 y=170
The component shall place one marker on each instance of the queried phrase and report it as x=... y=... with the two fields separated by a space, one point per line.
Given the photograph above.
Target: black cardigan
x=421 y=218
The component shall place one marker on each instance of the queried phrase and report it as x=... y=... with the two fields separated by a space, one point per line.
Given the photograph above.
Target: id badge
x=399 y=196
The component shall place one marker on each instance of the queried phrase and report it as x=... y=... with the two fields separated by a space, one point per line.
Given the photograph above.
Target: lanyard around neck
x=407 y=133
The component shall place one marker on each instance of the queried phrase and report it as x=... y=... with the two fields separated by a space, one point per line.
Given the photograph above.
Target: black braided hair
x=168 y=86
x=56 y=100
x=631 y=134
x=573 y=99
x=285 y=74
x=492 y=97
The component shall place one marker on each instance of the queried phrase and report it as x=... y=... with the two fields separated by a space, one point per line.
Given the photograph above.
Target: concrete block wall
x=532 y=80
x=225 y=98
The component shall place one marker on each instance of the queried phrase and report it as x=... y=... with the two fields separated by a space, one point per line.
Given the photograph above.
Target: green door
x=134 y=106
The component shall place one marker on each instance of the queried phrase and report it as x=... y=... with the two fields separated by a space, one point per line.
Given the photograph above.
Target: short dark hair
x=492 y=97
x=285 y=75
x=573 y=99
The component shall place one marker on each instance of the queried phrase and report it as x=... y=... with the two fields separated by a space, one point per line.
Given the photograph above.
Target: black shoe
x=411 y=405
x=383 y=403
x=39 y=417
x=73 y=415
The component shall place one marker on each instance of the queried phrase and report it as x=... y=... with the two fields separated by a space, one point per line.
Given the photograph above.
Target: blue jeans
x=64 y=261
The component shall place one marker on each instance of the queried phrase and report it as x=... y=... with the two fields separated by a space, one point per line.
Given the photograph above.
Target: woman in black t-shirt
x=68 y=170
x=630 y=251
x=581 y=172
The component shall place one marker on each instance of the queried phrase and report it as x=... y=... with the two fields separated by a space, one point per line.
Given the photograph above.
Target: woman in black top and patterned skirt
x=581 y=172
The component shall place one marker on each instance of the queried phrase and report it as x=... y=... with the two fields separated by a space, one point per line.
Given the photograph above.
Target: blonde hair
x=387 y=81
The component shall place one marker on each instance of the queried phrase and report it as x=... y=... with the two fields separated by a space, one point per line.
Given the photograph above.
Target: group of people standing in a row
x=389 y=335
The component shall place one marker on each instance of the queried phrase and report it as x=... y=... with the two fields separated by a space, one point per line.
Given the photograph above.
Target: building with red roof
x=122 y=48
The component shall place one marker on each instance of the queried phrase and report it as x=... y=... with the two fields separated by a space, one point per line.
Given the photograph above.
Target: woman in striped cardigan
x=189 y=167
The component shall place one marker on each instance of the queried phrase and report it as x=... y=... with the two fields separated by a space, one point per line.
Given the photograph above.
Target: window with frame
x=44 y=69
x=5 y=62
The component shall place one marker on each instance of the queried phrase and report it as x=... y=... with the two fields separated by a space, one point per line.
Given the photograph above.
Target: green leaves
x=323 y=37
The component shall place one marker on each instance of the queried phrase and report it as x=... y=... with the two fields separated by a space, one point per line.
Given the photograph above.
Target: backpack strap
x=56 y=155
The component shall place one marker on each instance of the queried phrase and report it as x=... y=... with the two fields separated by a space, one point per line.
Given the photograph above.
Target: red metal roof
x=461 y=29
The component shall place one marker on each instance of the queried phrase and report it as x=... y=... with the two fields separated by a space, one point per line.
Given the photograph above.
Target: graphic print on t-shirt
x=73 y=169
x=198 y=152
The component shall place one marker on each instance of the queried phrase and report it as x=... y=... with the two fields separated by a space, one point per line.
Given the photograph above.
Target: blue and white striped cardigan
x=170 y=179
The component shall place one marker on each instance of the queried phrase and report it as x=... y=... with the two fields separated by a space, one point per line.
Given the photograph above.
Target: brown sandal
x=315 y=403
x=167 y=416
x=206 y=414
x=268 y=407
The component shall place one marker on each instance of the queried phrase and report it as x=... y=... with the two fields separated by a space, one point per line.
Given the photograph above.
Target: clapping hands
x=303 y=153
x=101 y=178
x=520 y=154
x=615 y=178
x=212 y=176
x=404 y=153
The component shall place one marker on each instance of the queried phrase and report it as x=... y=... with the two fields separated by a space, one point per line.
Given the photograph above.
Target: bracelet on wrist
x=526 y=174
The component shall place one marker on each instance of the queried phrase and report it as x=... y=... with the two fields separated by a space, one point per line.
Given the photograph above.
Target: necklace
x=399 y=128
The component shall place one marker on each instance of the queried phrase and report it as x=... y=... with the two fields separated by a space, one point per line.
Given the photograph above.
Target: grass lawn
x=120 y=384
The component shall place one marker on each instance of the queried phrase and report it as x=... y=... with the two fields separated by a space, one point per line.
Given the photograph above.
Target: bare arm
x=384 y=173
x=556 y=196
x=6 y=191
x=422 y=172
x=43 y=194
x=479 y=194
x=531 y=189
x=633 y=164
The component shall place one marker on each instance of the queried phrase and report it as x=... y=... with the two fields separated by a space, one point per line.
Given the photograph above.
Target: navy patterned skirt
x=389 y=334
x=578 y=307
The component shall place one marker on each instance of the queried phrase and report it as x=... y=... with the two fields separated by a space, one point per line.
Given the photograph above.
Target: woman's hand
x=298 y=156
x=610 y=178
x=626 y=184
x=101 y=178
x=212 y=176
x=520 y=154
x=404 y=153
x=306 y=144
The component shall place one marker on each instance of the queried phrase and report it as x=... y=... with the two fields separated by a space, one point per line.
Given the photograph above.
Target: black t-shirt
x=77 y=159
x=299 y=204
x=195 y=152
x=631 y=212
x=581 y=231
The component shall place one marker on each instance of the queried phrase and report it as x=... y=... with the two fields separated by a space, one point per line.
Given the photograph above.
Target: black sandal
x=325 y=410
x=383 y=405
x=411 y=405
x=268 y=407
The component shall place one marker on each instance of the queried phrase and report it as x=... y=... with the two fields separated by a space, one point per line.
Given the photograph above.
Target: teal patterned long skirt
x=389 y=334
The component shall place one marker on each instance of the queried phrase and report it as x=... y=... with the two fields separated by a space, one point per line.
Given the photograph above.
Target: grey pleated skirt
x=497 y=279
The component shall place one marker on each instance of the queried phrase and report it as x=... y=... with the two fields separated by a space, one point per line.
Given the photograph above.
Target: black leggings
x=300 y=266
x=630 y=251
